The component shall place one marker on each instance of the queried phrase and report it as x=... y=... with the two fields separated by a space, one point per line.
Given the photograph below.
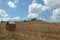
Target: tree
x=1 y=21
x=33 y=19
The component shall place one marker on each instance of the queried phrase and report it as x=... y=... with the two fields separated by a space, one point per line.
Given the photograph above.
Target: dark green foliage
x=25 y=20
x=33 y=19
x=1 y=21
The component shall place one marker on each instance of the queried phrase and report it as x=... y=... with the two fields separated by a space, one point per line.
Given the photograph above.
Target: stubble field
x=31 y=30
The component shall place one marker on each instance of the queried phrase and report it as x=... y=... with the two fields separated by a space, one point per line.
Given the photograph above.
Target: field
x=31 y=30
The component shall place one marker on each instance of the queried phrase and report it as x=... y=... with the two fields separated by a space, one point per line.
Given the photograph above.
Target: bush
x=33 y=19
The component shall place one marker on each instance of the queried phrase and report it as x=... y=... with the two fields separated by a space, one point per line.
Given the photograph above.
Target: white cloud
x=52 y=3
x=11 y=4
x=7 y=19
x=16 y=18
x=56 y=14
x=43 y=19
x=32 y=15
x=3 y=13
x=35 y=9
x=5 y=16
x=11 y=19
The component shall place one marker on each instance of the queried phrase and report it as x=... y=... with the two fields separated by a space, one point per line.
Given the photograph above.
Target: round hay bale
x=10 y=26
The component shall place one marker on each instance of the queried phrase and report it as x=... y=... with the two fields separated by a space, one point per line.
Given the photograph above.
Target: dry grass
x=31 y=30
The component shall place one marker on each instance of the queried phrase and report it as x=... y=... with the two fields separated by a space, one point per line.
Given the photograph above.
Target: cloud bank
x=6 y=17
x=52 y=3
x=56 y=14
x=35 y=9
x=16 y=18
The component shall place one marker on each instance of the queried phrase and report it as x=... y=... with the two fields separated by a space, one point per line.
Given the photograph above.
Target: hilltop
x=32 y=30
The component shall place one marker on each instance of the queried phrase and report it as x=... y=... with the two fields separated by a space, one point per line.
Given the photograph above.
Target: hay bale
x=10 y=26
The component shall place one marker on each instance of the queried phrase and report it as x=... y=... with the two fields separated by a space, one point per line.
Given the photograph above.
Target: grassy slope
x=32 y=30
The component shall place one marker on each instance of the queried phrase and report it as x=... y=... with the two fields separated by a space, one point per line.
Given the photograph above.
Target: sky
x=19 y=10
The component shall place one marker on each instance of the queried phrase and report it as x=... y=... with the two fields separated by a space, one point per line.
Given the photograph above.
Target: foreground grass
x=31 y=30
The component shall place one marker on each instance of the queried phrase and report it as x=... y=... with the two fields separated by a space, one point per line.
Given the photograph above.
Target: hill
x=31 y=30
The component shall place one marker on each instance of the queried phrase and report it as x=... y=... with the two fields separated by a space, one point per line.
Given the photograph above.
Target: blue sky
x=27 y=9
